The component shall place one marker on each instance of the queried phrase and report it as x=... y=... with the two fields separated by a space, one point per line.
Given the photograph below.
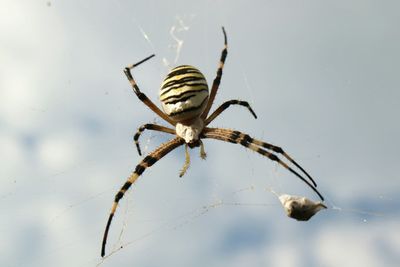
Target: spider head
x=184 y=93
x=194 y=144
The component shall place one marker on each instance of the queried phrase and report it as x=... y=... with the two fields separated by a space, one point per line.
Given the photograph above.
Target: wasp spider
x=186 y=102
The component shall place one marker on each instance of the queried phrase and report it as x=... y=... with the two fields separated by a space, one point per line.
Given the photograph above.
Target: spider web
x=57 y=189
x=180 y=26
x=190 y=216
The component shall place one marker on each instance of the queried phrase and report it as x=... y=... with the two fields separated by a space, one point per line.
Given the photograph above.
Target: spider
x=186 y=102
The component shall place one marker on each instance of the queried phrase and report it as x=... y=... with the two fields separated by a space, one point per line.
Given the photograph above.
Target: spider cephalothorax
x=186 y=102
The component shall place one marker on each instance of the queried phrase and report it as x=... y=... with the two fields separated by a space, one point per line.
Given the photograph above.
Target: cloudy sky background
x=321 y=75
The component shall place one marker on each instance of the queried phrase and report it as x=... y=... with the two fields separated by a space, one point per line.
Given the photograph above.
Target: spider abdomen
x=184 y=93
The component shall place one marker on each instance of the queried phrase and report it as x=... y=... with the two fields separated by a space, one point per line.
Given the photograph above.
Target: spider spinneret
x=186 y=102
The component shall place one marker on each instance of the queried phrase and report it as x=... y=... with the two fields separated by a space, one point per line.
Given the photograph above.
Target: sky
x=322 y=76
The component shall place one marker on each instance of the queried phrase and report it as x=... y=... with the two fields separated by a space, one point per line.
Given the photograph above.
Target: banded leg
x=276 y=149
x=217 y=79
x=148 y=161
x=142 y=97
x=260 y=147
x=225 y=105
x=150 y=126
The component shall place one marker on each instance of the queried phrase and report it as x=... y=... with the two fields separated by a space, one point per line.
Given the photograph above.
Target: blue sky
x=322 y=77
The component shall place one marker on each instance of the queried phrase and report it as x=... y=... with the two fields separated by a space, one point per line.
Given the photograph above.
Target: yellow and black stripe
x=148 y=161
x=217 y=79
x=226 y=105
x=260 y=147
x=184 y=93
x=142 y=97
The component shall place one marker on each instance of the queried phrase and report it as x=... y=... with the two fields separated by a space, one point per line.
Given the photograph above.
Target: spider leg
x=203 y=154
x=225 y=105
x=149 y=126
x=279 y=150
x=217 y=79
x=269 y=146
x=245 y=140
x=142 y=97
x=187 y=162
x=148 y=161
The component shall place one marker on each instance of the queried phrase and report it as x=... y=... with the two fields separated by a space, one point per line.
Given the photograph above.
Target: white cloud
x=355 y=244
x=283 y=255
x=58 y=152
x=61 y=69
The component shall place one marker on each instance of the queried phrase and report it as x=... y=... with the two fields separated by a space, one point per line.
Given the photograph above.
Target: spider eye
x=184 y=93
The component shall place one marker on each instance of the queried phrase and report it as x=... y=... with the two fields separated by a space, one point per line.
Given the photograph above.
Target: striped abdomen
x=184 y=93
